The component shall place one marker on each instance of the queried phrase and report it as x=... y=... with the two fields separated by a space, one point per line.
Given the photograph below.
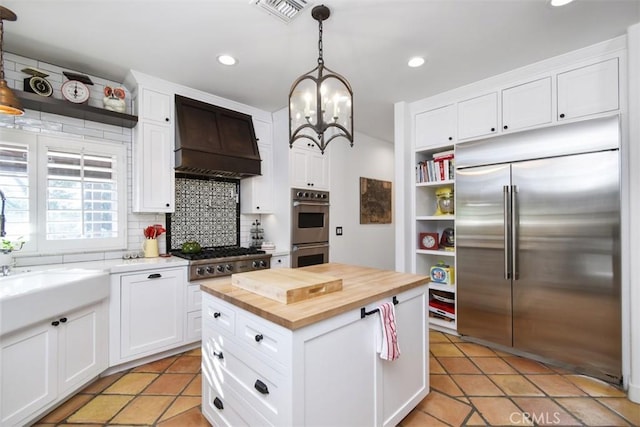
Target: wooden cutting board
x=286 y=285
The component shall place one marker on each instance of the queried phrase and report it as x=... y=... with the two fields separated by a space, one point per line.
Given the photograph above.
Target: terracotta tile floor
x=471 y=385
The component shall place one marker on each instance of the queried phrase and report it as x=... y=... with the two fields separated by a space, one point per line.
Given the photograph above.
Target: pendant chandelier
x=9 y=104
x=320 y=101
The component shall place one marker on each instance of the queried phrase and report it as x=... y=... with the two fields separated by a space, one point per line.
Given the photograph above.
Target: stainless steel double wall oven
x=309 y=227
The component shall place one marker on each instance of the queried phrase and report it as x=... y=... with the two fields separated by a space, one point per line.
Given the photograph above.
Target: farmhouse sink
x=35 y=296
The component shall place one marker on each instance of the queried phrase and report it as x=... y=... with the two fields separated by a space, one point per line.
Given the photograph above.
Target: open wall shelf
x=51 y=105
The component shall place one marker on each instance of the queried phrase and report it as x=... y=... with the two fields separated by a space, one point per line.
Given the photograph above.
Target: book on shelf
x=439 y=168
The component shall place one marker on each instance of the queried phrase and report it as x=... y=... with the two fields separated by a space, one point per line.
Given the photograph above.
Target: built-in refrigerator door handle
x=514 y=231
x=506 y=209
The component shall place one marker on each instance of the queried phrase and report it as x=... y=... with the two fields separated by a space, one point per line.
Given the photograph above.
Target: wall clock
x=428 y=241
x=37 y=83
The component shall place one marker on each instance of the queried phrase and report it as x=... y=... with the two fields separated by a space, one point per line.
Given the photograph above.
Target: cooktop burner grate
x=218 y=252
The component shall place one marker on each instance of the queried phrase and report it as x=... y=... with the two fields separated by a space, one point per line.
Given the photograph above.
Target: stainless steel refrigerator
x=538 y=244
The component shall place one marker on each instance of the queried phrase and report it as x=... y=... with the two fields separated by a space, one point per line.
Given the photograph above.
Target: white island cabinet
x=320 y=369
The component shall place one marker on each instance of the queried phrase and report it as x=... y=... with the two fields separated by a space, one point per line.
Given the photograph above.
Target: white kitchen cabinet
x=588 y=90
x=309 y=167
x=435 y=128
x=280 y=261
x=148 y=313
x=478 y=116
x=328 y=373
x=41 y=365
x=256 y=193
x=153 y=152
x=527 y=105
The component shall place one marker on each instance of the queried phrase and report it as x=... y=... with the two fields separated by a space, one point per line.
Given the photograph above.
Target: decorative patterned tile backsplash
x=207 y=211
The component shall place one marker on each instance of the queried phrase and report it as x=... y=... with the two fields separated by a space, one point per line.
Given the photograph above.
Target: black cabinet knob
x=259 y=337
x=562 y=116
x=493 y=129
x=450 y=138
x=261 y=387
x=218 y=403
x=167 y=204
x=166 y=119
x=63 y=320
x=505 y=127
x=257 y=207
x=218 y=354
x=216 y=314
x=55 y=323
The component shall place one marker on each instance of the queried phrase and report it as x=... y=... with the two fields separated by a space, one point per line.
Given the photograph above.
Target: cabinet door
x=436 y=127
x=318 y=170
x=156 y=106
x=282 y=261
x=309 y=168
x=298 y=168
x=405 y=381
x=154 y=177
x=256 y=193
x=478 y=116
x=27 y=373
x=82 y=347
x=526 y=105
x=340 y=373
x=152 y=311
x=588 y=90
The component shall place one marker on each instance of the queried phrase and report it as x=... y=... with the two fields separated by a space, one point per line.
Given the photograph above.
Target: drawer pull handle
x=261 y=387
x=259 y=337
x=218 y=354
x=218 y=403
x=55 y=323
x=154 y=276
x=63 y=320
x=216 y=314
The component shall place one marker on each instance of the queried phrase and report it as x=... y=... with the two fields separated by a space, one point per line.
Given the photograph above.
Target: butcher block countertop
x=360 y=286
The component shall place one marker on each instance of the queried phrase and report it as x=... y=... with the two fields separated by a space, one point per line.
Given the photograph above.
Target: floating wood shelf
x=32 y=101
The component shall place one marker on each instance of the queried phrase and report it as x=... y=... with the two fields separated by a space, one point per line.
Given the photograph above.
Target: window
x=64 y=194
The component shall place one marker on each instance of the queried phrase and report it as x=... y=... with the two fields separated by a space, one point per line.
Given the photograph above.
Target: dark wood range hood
x=214 y=141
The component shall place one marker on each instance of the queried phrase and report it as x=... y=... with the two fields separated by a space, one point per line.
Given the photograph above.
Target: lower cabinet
x=328 y=373
x=43 y=364
x=152 y=311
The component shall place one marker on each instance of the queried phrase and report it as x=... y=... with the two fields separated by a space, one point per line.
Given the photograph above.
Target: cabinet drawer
x=262 y=387
x=262 y=339
x=220 y=315
x=194 y=298
x=230 y=409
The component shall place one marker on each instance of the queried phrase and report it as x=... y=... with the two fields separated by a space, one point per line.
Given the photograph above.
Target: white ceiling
x=367 y=41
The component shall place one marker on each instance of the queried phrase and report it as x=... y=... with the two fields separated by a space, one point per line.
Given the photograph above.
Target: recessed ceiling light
x=227 y=60
x=558 y=3
x=416 y=61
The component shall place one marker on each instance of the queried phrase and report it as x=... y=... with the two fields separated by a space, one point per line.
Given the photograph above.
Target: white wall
x=369 y=245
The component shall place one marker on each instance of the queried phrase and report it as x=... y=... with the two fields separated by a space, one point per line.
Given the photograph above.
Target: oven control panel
x=299 y=194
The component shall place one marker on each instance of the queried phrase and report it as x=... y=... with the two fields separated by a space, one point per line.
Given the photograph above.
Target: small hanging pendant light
x=9 y=104
x=320 y=101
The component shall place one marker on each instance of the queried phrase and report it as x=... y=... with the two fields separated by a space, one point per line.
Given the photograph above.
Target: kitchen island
x=314 y=362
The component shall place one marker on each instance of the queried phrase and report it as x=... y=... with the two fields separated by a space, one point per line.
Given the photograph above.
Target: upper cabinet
x=526 y=105
x=153 y=152
x=588 y=90
x=309 y=167
x=478 y=116
x=436 y=128
x=256 y=193
x=155 y=106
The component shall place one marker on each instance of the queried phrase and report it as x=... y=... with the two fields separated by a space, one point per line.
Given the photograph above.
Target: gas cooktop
x=223 y=261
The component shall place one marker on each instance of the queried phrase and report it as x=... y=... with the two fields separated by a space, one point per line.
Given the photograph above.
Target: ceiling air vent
x=285 y=10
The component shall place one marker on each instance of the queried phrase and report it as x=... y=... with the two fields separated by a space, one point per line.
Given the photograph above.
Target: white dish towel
x=388 y=334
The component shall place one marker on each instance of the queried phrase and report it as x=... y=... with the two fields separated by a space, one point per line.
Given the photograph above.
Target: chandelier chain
x=320 y=59
x=1 y=49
